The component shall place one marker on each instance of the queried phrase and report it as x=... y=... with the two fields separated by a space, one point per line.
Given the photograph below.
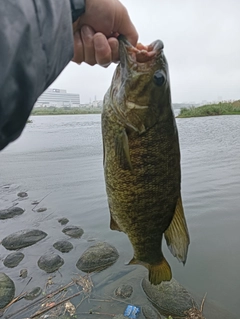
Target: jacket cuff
x=77 y=8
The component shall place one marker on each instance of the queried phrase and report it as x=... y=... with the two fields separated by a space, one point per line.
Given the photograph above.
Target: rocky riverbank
x=67 y=274
x=98 y=256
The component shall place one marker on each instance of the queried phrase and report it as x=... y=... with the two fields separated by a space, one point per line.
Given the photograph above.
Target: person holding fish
x=39 y=38
x=140 y=139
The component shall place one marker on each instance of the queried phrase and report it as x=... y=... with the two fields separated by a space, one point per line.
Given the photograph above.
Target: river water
x=58 y=159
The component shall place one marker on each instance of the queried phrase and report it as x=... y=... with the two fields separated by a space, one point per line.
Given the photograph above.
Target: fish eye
x=159 y=78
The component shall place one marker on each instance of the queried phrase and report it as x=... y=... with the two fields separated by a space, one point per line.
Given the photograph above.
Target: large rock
x=97 y=257
x=7 y=290
x=50 y=262
x=23 y=238
x=11 y=212
x=169 y=297
x=63 y=245
x=13 y=259
x=73 y=231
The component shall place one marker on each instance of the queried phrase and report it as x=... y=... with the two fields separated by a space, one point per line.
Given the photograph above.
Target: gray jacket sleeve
x=36 y=43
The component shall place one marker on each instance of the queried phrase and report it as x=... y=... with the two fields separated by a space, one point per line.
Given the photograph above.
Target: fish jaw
x=140 y=57
x=140 y=90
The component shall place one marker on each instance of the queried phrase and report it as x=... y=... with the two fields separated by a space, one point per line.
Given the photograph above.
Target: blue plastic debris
x=131 y=312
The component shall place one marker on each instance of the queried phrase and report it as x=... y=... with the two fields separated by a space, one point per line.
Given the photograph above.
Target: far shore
x=221 y=108
x=64 y=111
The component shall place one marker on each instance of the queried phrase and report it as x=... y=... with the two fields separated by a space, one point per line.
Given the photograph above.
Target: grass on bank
x=64 y=110
x=221 y=108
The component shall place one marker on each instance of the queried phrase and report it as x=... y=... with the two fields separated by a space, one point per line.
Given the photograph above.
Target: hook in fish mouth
x=139 y=55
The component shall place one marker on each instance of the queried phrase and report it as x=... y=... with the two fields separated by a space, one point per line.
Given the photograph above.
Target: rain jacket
x=36 y=43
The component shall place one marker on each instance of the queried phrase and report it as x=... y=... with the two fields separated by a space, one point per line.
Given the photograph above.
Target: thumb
x=126 y=28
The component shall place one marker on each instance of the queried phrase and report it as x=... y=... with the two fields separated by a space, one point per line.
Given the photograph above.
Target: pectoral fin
x=122 y=150
x=177 y=236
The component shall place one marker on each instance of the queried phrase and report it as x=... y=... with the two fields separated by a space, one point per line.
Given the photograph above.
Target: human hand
x=96 y=31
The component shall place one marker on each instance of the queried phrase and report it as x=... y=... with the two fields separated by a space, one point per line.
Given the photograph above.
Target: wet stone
x=63 y=245
x=35 y=202
x=7 y=290
x=11 y=212
x=73 y=231
x=169 y=297
x=23 y=238
x=34 y=293
x=22 y=194
x=150 y=313
x=63 y=221
x=97 y=257
x=124 y=291
x=41 y=209
x=13 y=259
x=50 y=262
x=23 y=273
x=91 y=240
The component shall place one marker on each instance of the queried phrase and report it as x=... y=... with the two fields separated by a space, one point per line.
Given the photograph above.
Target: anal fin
x=177 y=236
x=113 y=224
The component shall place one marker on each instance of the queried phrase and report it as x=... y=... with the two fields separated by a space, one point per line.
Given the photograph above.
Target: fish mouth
x=140 y=57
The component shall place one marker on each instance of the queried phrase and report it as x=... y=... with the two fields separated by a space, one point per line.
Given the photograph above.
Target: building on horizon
x=58 y=98
x=95 y=104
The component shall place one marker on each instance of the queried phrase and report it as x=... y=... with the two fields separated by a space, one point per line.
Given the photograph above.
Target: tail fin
x=160 y=272
x=157 y=272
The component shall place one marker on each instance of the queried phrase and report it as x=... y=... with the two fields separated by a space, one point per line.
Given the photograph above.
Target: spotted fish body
x=142 y=158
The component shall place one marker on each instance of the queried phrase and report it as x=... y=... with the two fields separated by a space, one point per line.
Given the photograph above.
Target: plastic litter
x=131 y=312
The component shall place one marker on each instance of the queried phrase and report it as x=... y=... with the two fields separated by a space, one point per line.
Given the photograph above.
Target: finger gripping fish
x=142 y=158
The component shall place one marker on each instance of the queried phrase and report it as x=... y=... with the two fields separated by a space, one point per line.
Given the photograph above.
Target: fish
x=141 y=158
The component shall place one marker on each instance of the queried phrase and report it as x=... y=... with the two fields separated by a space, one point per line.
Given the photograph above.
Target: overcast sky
x=202 y=45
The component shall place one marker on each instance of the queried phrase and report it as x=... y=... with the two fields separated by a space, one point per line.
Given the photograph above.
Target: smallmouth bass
x=142 y=158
